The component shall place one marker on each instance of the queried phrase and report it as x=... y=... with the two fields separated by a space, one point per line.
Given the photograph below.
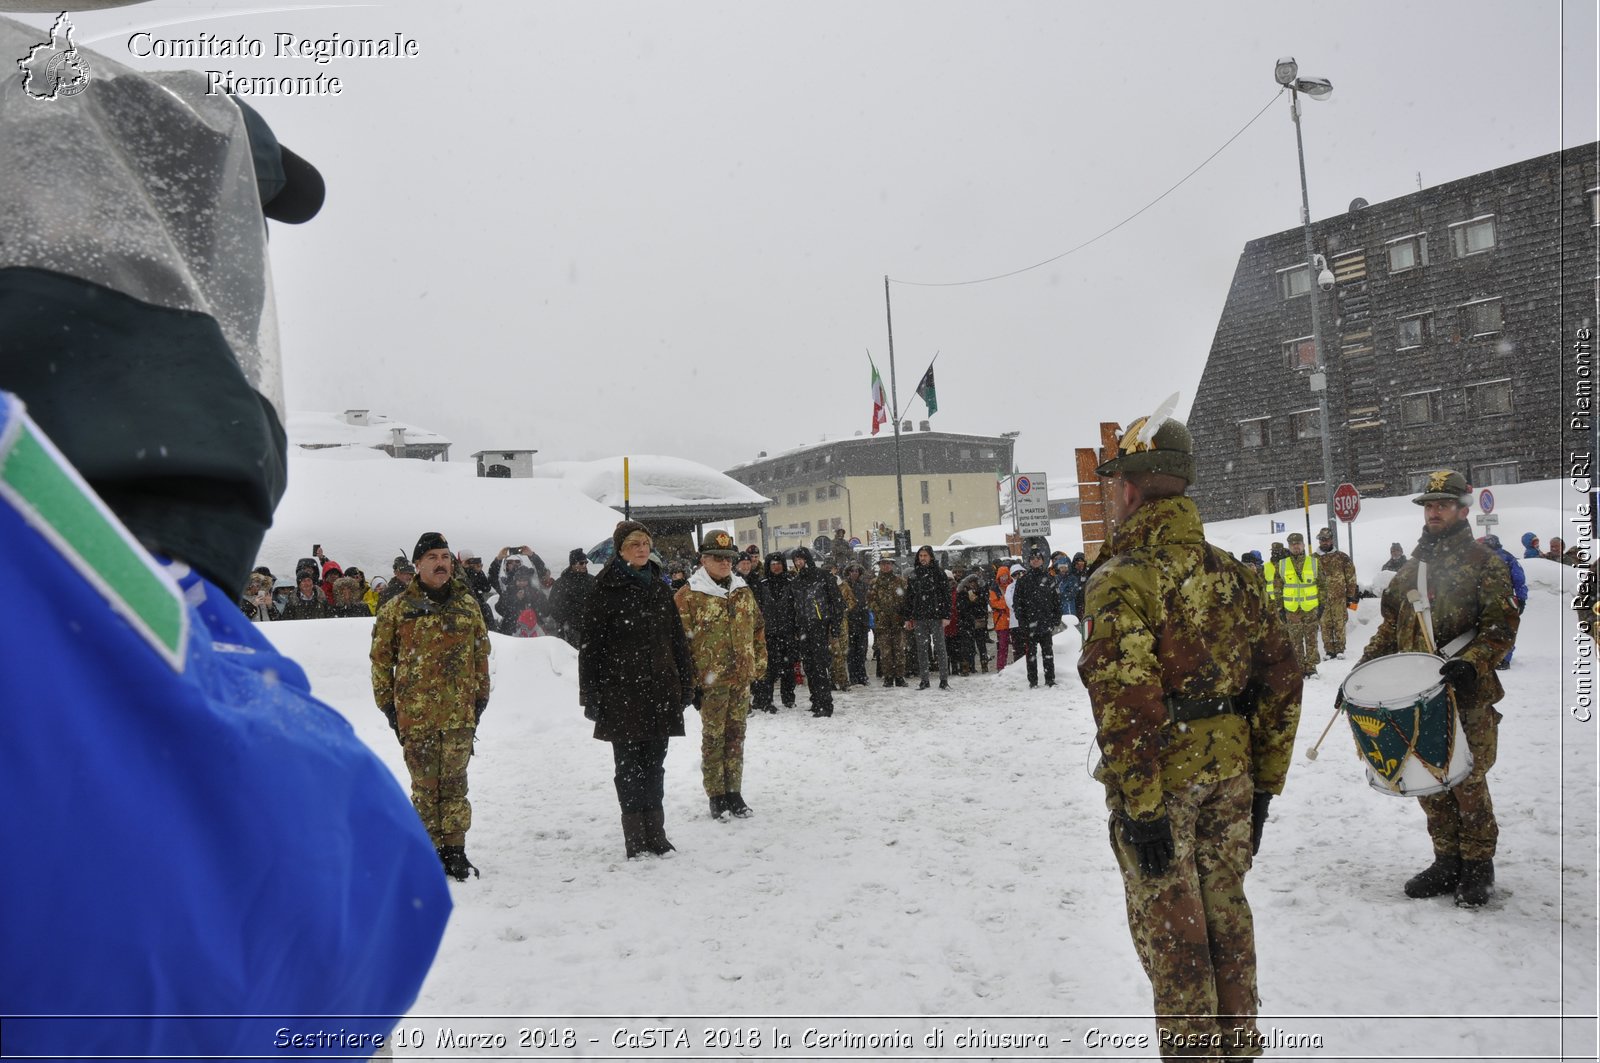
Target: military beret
x=428 y=541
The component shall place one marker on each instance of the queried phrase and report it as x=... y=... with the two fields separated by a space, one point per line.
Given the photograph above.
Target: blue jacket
x=1519 y=582
x=1528 y=549
x=202 y=836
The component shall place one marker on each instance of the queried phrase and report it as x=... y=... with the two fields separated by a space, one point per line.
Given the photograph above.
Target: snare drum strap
x=1424 y=603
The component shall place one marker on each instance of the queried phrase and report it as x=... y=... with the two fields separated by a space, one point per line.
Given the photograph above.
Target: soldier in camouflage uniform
x=1337 y=591
x=430 y=676
x=728 y=644
x=1196 y=697
x=839 y=645
x=884 y=598
x=1469 y=589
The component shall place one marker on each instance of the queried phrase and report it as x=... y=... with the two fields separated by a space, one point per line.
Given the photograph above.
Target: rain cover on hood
x=144 y=184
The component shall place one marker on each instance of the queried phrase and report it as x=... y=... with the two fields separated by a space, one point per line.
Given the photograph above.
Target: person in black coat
x=816 y=611
x=925 y=609
x=856 y=615
x=769 y=589
x=569 y=596
x=634 y=678
x=972 y=624
x=1037 y=606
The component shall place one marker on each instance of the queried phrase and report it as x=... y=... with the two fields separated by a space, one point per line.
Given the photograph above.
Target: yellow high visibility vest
x=1299 y=587
x=1269 y=572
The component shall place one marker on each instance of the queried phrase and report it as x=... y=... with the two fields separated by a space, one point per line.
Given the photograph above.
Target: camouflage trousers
x=437 y=761
x=1461 y=820
x=839 y=646
x=1192 y=926
x=1302 y=629
x=891 y=641
x=722 y=726
x=1334 y=622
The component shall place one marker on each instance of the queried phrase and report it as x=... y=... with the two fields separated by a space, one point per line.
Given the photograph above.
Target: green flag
x=926 y=391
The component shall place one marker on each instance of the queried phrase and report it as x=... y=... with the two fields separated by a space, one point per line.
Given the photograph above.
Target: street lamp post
x=1317 y=272
x=849 y=513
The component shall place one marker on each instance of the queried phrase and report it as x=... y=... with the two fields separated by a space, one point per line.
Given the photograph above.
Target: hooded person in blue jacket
x=1530 y=545
x=204 y=859
x=1519 y=581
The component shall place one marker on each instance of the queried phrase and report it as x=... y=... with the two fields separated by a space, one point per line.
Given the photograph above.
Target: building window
x=1409 y=332
x=1489 y=399
x=966 y=453
x=988 y=455
x=924 y=492
x=833 y=490
x=927 y=525
x=1253 y=433
x=1482 y=318
x=1301 y=353
x=1408 y=253
x=1594 y=206
x=1294 y=281
x=788 y=499
x=1260 y=501
x=1317 y=492
x=1493 y=473
x=805 y=496
x=1306 y=424
x=1422 y=407
x=1472 y=237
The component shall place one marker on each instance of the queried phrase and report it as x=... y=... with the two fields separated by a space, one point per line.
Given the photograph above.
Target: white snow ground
x=932 y=861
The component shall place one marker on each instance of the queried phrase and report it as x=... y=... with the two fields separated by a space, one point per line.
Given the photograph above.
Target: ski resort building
x=310 y=430
x=950 y=482
x=1447 y=340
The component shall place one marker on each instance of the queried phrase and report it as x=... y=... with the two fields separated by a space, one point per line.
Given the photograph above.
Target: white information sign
x=1031 y=503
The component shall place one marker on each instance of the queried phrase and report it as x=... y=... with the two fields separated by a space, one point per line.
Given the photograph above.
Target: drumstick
x=1311 y=754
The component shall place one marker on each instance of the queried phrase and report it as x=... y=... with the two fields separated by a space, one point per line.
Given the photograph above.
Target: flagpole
x=894 y=405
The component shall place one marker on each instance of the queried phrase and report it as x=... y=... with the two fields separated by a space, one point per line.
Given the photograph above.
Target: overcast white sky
x=598 y=228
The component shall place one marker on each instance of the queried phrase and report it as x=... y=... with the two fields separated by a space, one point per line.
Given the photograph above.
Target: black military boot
x=456 y=864
x=1476 y=883
x=719 y=806
x=635 y=834
x=1437 y=879
x=655 y=837
x=735 y=804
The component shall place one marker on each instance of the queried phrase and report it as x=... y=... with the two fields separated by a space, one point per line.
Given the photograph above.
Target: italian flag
x=880 y=399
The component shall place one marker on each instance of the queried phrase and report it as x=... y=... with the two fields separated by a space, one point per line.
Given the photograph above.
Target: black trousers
x=641 y=773
x=780 y=670
x=816 y=657
x=856 y=658
x=1039 y=642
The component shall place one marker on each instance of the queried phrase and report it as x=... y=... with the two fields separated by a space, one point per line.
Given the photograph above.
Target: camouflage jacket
x=431 y=661
x=1336 y=579
x=726 y=631
x=884 y=598
x=1468 y=587
x=1170 y=615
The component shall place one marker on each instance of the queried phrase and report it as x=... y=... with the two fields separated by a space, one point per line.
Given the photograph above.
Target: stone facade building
x=1444 y=336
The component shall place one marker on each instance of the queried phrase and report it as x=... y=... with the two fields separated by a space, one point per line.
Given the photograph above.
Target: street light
x=849 y=513
x=1012 y=462
x=1317 y=272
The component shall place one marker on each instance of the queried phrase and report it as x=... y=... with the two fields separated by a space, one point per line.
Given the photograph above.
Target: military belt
x=1187 y=710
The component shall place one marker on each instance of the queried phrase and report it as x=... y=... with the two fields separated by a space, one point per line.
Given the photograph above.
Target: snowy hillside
x=928 y=860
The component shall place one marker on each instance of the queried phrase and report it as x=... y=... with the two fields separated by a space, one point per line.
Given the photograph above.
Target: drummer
x=1196 y=696
x=1470 y=592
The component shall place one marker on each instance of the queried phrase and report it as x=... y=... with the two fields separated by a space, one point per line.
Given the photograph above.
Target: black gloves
x=1151 y=840
x=477 y=710
x=393 y=717
x=1258 y=819
x=1460 y=676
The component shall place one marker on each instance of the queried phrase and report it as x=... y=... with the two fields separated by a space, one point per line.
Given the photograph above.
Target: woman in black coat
x=926 y=607
x=634 y=678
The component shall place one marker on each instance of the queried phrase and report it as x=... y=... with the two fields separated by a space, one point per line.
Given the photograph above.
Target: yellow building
x=950 y=484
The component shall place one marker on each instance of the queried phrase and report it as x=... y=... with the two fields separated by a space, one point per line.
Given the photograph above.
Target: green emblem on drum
x=1386 y=737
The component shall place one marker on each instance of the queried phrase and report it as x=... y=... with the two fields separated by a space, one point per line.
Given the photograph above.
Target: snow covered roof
x=315 y=428
x=364 y=508
x=658 y=486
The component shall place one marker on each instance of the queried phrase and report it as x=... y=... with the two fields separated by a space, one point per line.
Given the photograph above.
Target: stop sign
x=1346 y=502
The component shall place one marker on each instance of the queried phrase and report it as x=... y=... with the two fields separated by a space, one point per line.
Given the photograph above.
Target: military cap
x=1170 y=450
x=885 y=559
x=1324 y=533
x=428 y=541
x=1446 y=485
x=1296 y=537
x=718 y=544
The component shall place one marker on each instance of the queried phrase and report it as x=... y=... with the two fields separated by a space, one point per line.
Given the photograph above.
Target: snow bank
x=652 y=481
